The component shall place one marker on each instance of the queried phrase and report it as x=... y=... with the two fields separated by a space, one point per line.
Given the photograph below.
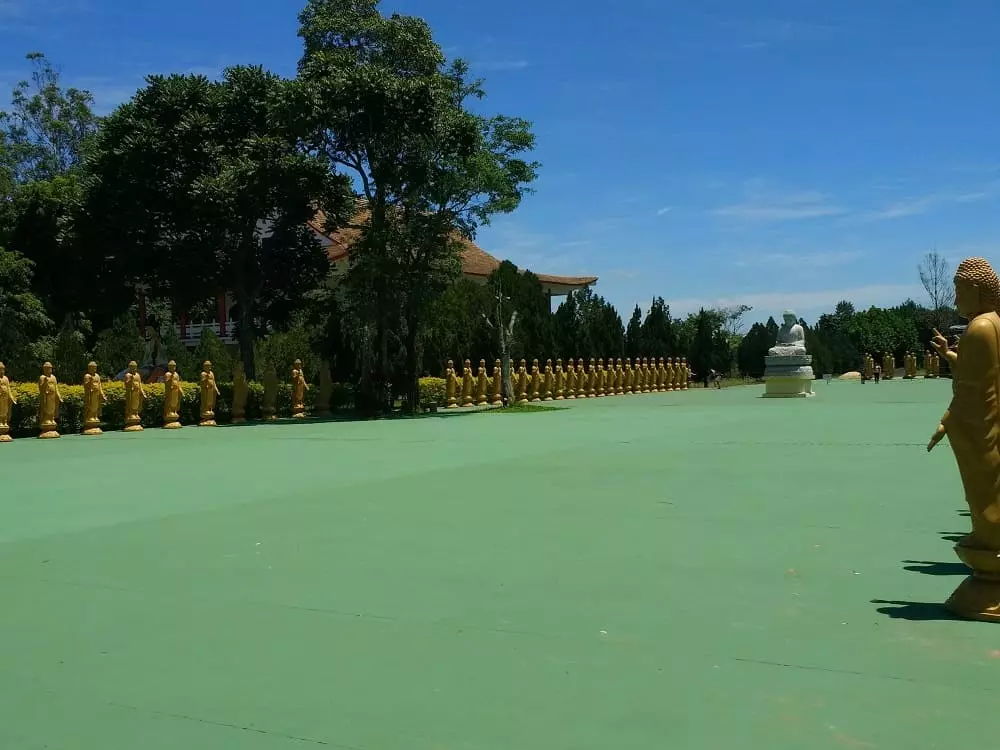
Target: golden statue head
x=206 y=366
x=548 y=363
x=47 y=368
x=558 y=363
x=977 y=288
x=298 y=364
x=482 y=364
x=133 y=366
x=172 y=366
x=92 y=368
x=497 y=363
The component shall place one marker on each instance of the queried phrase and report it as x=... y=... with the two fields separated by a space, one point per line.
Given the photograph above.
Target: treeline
x=838 y=340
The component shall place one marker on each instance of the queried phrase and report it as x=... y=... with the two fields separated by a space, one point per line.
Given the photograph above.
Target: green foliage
x=585 y=323
x=118 y=345
x=221 y=163
x=752 y=349
x=173 y=348
x=634 y=346
x=67 y=350
x=48 y=127
x=280 y=350
x=22 y=314
x=657 y=332
x=433 y=391
x=24 y=417
x=211 y=348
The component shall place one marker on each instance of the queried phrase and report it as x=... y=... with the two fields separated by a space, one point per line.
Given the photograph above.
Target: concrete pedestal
x=788 y=376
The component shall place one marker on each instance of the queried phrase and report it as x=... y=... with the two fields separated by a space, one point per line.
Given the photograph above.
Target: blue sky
x=773 y=152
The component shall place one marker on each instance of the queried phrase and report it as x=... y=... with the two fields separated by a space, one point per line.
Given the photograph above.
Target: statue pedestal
x=978 y=596
x=788 y=373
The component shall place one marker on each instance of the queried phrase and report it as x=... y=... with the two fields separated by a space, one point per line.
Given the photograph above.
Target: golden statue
x=497 y=398
x=673 y=374
x=241 y=390
x=325 y=391
x=135 y=397
x=560 y=381
x=299 y=388
x=209 y=394
x=7 y=400
x=592 y=379
x=548 y=382
x=467 y=398
x=685 y=374
x=536 y=382
x=937 y=365
x=49 y=400
x=972 y=424
x=523 y=382
x=172 y=394
x=570 y=379
x=599 y=379
x=269 y=409
x=582 y=381
x=628 y=375
x=451 y=385
x=482 y=385
x=93 y=399
x=619 y=377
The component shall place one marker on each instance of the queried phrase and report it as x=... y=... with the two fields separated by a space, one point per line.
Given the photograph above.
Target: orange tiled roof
x=475 y=260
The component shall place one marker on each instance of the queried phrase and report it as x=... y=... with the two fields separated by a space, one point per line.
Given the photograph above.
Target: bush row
x=24 y=417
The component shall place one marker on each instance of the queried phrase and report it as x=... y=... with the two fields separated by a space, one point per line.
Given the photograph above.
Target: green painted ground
x=691 y=570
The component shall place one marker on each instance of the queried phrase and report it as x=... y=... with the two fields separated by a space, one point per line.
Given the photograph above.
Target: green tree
x=657 y=333
x=634 y=344
x=752 y=349
x=201 y=185
x=387 y=109
x=48 y=127
x=22 y=316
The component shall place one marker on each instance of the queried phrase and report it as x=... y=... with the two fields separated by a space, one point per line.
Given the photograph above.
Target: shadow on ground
x=935 y=568
x=915 y=611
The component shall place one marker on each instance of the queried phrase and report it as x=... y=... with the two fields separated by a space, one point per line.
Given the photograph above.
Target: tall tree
x=387 y=108
x=22 y=315
x=935 y=275
x=658 y=335
x=48 y=126
x=199 y=185
x=634 y=345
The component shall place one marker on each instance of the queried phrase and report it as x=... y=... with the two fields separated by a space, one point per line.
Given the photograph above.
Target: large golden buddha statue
x=972 y=424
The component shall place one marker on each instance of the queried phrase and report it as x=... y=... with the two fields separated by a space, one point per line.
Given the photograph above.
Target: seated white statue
x=791 y=338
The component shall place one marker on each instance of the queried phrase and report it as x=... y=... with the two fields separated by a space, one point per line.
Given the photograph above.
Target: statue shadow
x=936 y=568
x=950 y=536
x=915 y=611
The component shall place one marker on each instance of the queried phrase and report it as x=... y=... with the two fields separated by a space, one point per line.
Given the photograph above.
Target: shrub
x=210 y=347
x=24 y=418
x=282 y=349
x=433 y=391
x=118 y=345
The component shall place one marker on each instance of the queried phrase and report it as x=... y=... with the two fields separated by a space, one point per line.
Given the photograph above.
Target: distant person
x=878 y=373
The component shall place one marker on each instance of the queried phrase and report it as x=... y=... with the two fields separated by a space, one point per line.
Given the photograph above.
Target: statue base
x=133 y=428
x=48 y=435
x=787 y=375
x=299 y=413
x=5 y=438
x=93 y=431
x=172 y=426
x=207 y=423
x=978 y=596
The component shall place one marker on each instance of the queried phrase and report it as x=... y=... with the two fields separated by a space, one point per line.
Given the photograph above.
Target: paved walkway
x=691 y=570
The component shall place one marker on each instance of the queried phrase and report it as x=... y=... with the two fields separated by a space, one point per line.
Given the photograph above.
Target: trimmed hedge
x=24 y=417
x=433 y=391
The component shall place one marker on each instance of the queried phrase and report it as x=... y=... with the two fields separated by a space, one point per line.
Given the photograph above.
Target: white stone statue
x=791 y=338
x=788 y=369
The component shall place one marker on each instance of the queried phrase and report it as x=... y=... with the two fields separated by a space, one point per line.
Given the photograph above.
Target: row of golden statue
x=556 y=383
x=932 y=366
x=94 y=398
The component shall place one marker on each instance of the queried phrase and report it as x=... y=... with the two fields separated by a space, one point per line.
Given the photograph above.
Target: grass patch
x=525 y=409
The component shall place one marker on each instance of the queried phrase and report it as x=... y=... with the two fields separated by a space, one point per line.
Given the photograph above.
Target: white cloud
x=818 y=301
x=761 y=207
x=665 y=210
x=923 y=204
x=500 y=65
x=799 y=260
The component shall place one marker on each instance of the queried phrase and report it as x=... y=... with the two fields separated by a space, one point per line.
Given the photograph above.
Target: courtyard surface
x=689 y=571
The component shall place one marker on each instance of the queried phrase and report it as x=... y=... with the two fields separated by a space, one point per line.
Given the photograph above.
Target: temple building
x=477 y=265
